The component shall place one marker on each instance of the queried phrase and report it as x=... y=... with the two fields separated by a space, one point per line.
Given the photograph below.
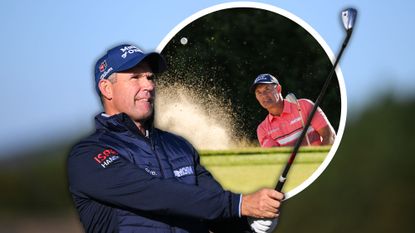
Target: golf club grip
x=282 y=179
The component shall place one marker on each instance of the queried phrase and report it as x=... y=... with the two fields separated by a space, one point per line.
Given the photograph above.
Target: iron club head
x=349 y=18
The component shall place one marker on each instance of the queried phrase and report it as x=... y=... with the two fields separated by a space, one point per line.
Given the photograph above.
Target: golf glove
x=263 y=225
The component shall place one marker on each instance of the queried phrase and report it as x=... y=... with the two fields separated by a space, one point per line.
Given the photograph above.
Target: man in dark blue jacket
x=131 y=177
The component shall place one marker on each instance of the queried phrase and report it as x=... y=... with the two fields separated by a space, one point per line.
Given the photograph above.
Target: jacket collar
x=118 y=123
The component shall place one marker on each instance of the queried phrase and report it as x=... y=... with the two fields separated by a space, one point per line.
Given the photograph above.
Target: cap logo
x=103 y=66
x=129 y=50
x=261 y=78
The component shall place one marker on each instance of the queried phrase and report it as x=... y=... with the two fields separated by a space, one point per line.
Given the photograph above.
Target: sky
x=49 y=49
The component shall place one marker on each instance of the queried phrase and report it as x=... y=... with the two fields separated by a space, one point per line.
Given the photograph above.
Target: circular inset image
x=241 y=81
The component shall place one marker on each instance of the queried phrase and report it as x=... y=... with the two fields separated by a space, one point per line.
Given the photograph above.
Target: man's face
x=267 y=95
x=133 y=92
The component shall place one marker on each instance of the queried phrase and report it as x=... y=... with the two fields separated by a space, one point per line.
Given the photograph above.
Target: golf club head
x=349 y=18
x=291 y=98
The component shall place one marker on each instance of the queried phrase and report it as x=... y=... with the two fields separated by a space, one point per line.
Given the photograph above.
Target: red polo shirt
x=284 y=130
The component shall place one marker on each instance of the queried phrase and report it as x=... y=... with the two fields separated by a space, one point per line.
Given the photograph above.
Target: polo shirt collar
x=285 y=110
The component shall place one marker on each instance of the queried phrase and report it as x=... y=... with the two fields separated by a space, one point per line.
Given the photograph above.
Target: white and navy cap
x=124 y=57
x=263 y=78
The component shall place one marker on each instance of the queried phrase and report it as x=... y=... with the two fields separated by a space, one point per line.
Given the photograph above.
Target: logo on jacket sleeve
x=106 y=157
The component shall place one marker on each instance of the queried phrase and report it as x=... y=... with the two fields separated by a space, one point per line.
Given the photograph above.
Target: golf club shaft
x=300 y=112
x=283 y=177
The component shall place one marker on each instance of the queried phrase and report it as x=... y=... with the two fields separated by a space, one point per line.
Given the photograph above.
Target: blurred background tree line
x=369 y=185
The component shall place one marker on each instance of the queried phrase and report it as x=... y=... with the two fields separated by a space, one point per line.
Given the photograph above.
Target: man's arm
x=237 y=225
x=264 y=202
x=123 y=184
x=320 y=122
x=327 y=133
x=264 y=139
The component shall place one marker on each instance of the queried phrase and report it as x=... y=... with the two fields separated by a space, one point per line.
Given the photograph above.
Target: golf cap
x=124 y=57
x=265 y=79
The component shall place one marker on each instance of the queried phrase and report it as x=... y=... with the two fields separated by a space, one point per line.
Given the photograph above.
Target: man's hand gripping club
x=262 y=209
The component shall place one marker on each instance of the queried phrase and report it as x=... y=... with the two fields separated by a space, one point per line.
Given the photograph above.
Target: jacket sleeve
x=101 y=174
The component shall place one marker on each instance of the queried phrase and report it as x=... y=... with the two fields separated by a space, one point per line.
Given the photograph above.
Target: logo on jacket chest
x=183 y=171
x=106 y=157
x=151 y=172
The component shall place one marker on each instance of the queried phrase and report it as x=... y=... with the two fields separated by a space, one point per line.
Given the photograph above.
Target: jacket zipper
x=153 y=148
x=149 y=141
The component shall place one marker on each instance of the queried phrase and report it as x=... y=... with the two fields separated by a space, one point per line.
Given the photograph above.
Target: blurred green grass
x=249 y=178
x=247 y=170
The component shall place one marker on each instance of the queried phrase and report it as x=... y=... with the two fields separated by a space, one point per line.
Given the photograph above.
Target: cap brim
x=252 y=89
x=154 y=60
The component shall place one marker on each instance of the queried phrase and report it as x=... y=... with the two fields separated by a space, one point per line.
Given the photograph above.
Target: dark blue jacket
x=122 y=181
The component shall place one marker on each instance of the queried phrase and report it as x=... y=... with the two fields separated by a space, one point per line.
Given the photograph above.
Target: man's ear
x=279 y=89
x=105 y=86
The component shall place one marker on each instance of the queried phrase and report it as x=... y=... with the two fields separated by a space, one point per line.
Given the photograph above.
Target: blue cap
x=124 y=57
x=263 y=78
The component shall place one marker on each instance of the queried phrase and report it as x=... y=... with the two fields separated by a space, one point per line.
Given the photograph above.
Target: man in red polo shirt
x=283 y=124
